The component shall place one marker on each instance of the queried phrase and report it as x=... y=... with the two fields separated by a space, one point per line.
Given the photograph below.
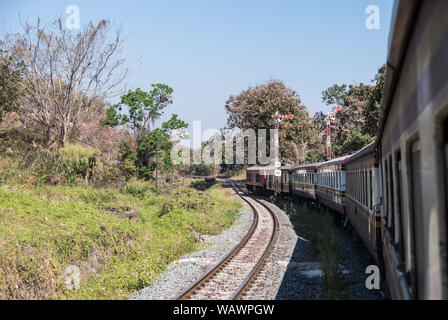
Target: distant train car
x=362 y=194
x=285 y=180
x=256 y=178
x=413 y=151
x=281 y=184
x=330 y=184
x=302 y=181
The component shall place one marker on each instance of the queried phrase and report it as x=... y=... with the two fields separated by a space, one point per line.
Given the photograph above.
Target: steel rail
x=188 y=292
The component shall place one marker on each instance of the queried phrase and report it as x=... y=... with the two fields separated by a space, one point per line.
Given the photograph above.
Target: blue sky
x=207 y=50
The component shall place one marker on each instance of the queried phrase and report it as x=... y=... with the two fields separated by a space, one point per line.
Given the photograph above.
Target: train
x=394 y=191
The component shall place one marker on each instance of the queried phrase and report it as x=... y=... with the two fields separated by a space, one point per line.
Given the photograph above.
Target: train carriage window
x=418 y=250
x=399 y=207
x=337 y=180
x=367 y=189
x=386 y=194
x=391 y=199
x=332 y=179
x=371 y=189
x=362 y=187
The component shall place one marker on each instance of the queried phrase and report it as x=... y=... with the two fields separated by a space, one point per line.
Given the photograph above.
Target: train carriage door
x=418 y=249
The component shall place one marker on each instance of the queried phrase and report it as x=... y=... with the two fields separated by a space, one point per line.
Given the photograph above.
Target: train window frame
x=385 y=175
x=370 y=189
x=445 y=203
x=366 y=189
x=391 y=199
x=363 y=193
x=398 y=206
x=416 y=210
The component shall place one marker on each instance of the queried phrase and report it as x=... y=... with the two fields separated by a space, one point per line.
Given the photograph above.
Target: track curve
x=232 y=276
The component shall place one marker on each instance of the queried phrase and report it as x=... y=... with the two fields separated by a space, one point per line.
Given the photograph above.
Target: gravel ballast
x=183 y=272
x=290 y=272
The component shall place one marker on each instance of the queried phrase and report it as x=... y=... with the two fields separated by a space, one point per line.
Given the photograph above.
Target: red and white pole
x=330 y=118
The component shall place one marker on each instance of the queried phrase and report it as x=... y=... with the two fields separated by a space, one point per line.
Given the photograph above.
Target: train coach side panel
x=410 y=142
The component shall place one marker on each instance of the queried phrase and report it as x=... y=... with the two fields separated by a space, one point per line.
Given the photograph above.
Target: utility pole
x=278 y=118
x=330 y=119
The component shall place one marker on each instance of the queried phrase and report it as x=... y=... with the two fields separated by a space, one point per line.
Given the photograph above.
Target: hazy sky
x=207 y=50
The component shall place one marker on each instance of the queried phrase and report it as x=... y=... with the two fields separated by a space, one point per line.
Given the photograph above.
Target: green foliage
x=357 y=122
x=76 y=160
x=335 y=95
x=45 y=229
x=255 y=107
x=202 y=169
x=137 y=188
x=154 y=152
x=174 y=124
x=154 y=148
x=354 y=142
x=11 y=72
x=142 y=108
x=372 y=110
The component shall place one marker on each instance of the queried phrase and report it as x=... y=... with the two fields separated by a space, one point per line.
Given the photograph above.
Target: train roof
x=403 y=20
x=335 y=161
x=366 y=150
x=258 y=168
x=307 y=166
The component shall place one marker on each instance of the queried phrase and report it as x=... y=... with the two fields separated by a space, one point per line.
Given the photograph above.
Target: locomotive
x=394 y=192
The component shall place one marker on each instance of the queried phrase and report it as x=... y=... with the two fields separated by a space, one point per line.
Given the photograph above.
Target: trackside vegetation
x=121 y=239
x=319 y=228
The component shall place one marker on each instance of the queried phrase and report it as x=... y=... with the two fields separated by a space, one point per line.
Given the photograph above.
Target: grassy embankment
x=120 y=240
x=319 y=228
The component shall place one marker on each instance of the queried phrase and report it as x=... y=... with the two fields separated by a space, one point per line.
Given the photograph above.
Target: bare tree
x=66 y=72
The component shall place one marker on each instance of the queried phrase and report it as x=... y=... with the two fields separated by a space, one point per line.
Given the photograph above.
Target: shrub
x=138 y=188
x=77 y=161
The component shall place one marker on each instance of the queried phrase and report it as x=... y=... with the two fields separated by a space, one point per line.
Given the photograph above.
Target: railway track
x=231 y=277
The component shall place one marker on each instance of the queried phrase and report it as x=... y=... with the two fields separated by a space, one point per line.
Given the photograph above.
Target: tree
x=372 y=109
x=255 y=108
x=66 y=72
x=335 y=95
x=11 y=72
x=350 y=118
x=155 y=147
x=355 y=141
x=142 y=109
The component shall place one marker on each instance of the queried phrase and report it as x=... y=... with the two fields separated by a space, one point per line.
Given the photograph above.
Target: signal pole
x=330 y=119
x=278 y=118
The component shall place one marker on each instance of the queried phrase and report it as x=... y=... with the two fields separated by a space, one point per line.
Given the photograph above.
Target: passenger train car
x=362 y=198
x=412 y=150
x=394 y=192
x=256 y=178
x=330 y=184
x=302 y=181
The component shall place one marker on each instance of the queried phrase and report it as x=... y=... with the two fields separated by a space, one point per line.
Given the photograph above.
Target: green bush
x=77 y=161
x=137 y=188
